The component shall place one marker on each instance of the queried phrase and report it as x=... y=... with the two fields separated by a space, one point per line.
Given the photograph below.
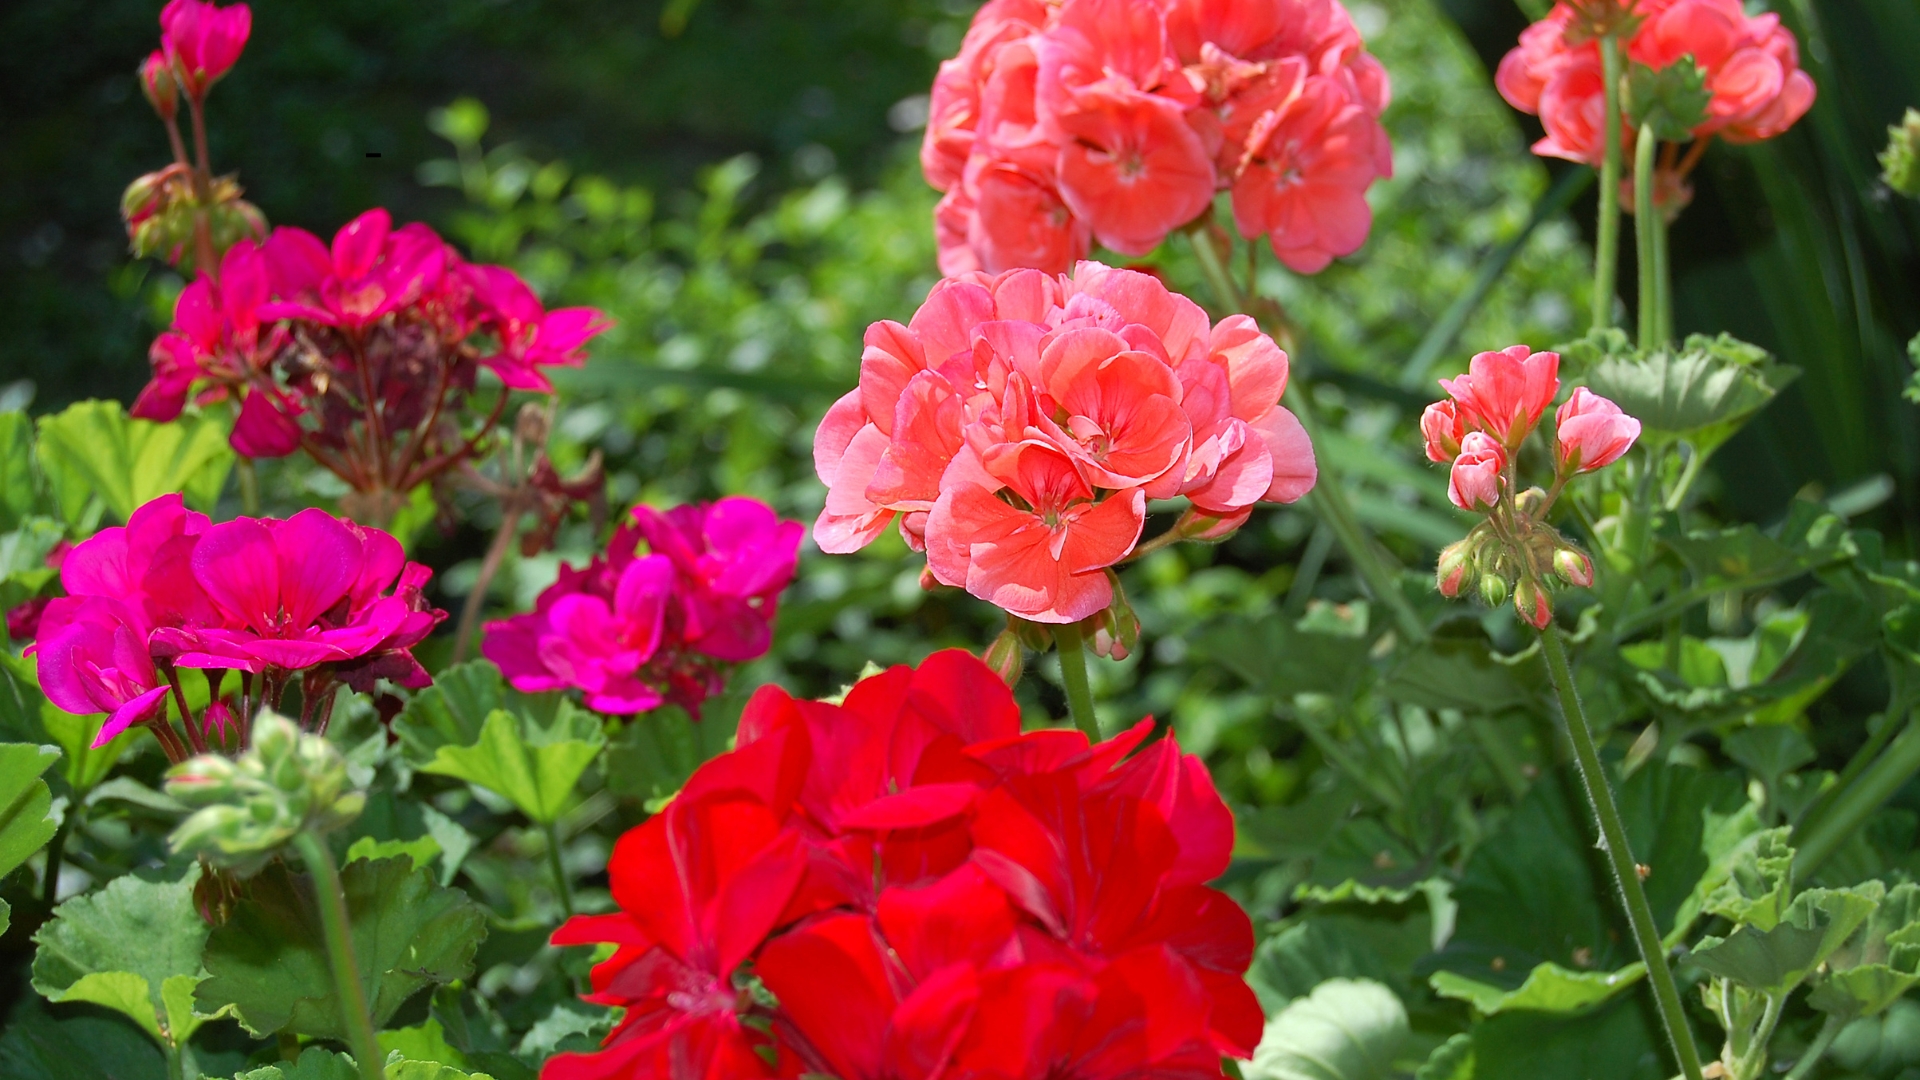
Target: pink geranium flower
x=203 y=40
x=530 y=336
x=1478 y=473
x=1591 y=432
x=370 y=271
x=732 y=560
x=1505 y=393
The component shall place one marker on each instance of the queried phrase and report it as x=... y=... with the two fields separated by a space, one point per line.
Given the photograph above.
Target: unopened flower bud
x=1533 y=603
x=157 y=82
x=1493 y=590
x=1007 y=657
x=1530 y=501
x=1116 y=630
x=288 y=782
x=1900 y=161
x=1455 y=569
x=1197 y=524
x=1574 y=567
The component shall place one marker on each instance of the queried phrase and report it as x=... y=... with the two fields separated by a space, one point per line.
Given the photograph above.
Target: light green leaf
x=121 y=946
x=570 y=1026
x=269 y=960
x=1703 y=393
x=1759 y=884
x=26 y=804
x=1869 y=972
x=452 y=711
x=6 y=916
x=420 y=852
x=422 y=1042
x=534 y=767
x=17 y=488
x=314 y=1063
x=176 y=994
x=1451 y=1060
x=82 y=765
x=1775 y=961
x=1347 y=1029
x=94 y=448
x=455 y=842
x=1548 y=988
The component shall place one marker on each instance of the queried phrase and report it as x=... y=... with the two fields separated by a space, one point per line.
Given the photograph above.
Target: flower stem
x=560 y=887
x=249 y=486
x=1606 y=255
x=1829 y=1029
x=332 y=901
x=489 y=568
x=1613 y=836
x=1816 y=841
x=1645 y=226
x=1071 y=644
x=1662 y=282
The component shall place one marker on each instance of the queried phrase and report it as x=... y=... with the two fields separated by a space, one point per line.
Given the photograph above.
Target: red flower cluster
x=924 y=891
x=363 y=352
x=1752 y=66
x=1018 y=425
x=313 y=596
x=1118 y=120
x=633 y=631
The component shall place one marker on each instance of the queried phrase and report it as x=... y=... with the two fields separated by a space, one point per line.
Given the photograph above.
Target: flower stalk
x=1613 y=835
x=1071 y=642
x=1646 y=223
x=332 y=902
x=554 y=863
x=1606 y=255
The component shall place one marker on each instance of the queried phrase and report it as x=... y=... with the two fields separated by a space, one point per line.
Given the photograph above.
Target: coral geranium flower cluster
x=906 y=886
x=1751 y=63
x=1478 y=428
x=1118 y=120
x=312 y=597
x=1017 y=426
x=633 y=631
x=362 y=351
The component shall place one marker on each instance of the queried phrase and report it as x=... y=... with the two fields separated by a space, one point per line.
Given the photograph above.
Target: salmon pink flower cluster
x=363 y=352
x=1479 y=428
x=905 y=885
x=1017 y=426
x=633 y=631
x=312 y=598
x=1059 y=124
x=1751 y=64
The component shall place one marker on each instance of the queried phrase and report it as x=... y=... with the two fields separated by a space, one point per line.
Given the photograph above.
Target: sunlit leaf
x=133 y=946
x=1347 y=1029
x=534 y=766
x=94 y=448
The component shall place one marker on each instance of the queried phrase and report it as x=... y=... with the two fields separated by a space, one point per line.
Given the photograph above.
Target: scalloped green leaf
x=1704 y=392
x=453 y=710
x=126 y=946
x=26 y=804
x=95 y=448
x=1759 y=884
x=1548 y=988
x=1347 y=1029
x=535 y=767
x=1777 y=960
x=269 y=962
x=652 y=755
x=1871 y=970
x=1346 y=943
x=1451 y=1060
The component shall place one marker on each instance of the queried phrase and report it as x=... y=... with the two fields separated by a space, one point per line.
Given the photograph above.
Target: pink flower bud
x=1455 y=570
x=1211 y=528
x=1533 y=603
x=1476 y=479
x=203 y=40
x=1574 y=567
x=1006 y=657
x=1443 y=428
x=156 y=81
x=1505 y=393
x=1592 y=432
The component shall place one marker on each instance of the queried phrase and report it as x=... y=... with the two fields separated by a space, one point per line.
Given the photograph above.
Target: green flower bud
x=1574 y=567
x=249 y=807
x=1900 y=161
x=1006 y=656
x=1493 y=590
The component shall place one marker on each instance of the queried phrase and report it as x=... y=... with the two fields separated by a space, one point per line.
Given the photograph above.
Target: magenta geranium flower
x=733 y=558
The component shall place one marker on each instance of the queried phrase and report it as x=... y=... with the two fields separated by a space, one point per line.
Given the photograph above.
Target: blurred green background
x=735 y=182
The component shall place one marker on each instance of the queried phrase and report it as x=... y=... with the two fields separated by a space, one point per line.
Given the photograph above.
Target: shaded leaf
x=1547 y=988
x=1746 y=557
x=26 y=804
x=269 y=960
x=1281 y=660
x=75 y=1042
x=1365 y=862
x=1347 y=1029
x=1343 y=944
x=1451 y=1060
x=120 y=947
x=1868 y=973
x=1776 y=960
x=1464 y=673
x=652 y=755
x=94 y=448
x=1618 y=1041
x=1703 y=393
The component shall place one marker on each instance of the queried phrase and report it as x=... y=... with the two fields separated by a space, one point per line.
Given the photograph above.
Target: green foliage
x=1347 y=1029
x=269 y=965
x=26 y=823
x=534 y=765
x=95 y=449
x=75 y=1043
x=1703 y=392
x=651 y=755
x=1672 y=99
x=133 y=947
x=1548 y=988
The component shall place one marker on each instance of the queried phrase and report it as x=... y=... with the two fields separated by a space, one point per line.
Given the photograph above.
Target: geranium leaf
x=1759 y=882
x=1463 y=673
x=421 y=851
x=1703 y=392
x=94 y=448
x=24 y=709
x=26 y=819
x=422 y=1042
x=79 y=1043
x=452 y=711
x=1617 y=1041
x=533 y=767
x=269 y=961
x=1337 y=944
x=1281 y=659
x=121 y=947
x=314 y=1063
x=1347 y=1029
x=1548 y=988
x=18 y=492
x=652 y=755
x=1776 y=960
x=1882 y=962
x=1451 y=1060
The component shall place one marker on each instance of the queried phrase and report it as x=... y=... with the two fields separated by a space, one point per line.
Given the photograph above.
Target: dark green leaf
x=1278 y=658
x=1703 y=393
x=1464 y=673
x=75 y=1042
x=1619 y=1041
x=1775 y=961
x=1367 y=863
x=1337 y=944
x=652 y=755
x=314 y=1063
x=133 y=946
x=269 y=960
x=1451 y=1060
x=1865 y=975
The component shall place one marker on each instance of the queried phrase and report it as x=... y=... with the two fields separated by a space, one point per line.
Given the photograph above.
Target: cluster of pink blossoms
x=926 y=892
x=311 y=597
x=634 y=631
x=1478 y=428
x=361 y=351
x=1017 y=426
x=1118 y=120
x=1752 y=68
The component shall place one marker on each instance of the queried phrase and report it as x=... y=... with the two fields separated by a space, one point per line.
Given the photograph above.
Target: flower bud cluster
x=161 y=211
x=288 y=782
x=1489 y=412
x=1900 y=161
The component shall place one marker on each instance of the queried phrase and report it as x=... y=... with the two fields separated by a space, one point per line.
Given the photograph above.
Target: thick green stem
x=560 y=886
x=1644 y=228
x=249 y=486
x=1606 y=254
x=332 y=902
x=1829 y=1030
x=56 y=849
x=1662 y=281
x=1613 y=836
x=1817 y=842
x=1070 y=643
x=175 y=1067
